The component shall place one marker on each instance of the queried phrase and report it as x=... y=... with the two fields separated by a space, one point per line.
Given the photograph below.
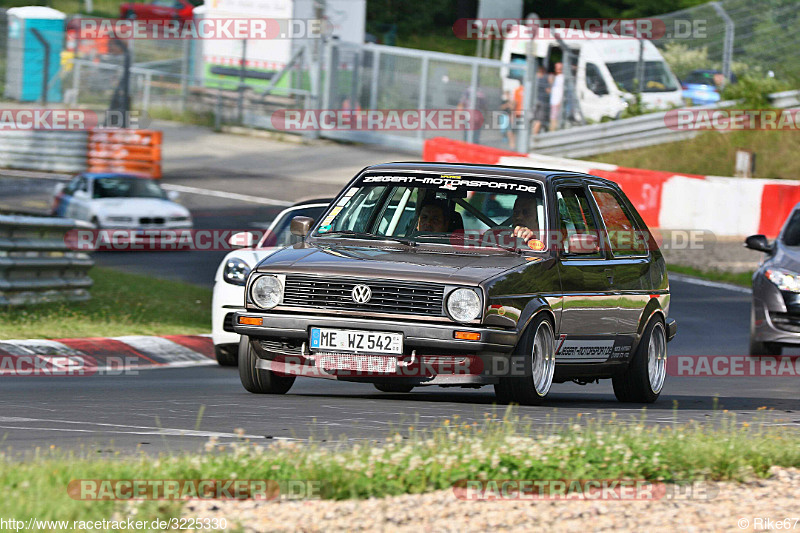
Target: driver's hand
x=524 y=233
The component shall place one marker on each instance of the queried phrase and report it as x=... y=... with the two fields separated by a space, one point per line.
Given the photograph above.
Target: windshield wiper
x=448 y=236
x=367 y=236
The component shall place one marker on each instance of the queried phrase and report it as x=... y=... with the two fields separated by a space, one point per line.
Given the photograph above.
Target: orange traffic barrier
x=134 y=151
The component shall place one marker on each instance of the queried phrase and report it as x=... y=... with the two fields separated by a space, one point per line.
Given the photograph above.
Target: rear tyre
x=393 y=387
x=256 y=380
x=130 y=15
x=226 y=355
x=539 y=348
x=644 y=378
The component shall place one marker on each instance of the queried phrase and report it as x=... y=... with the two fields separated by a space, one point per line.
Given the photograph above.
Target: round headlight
x=266 y=292
x=464 y=305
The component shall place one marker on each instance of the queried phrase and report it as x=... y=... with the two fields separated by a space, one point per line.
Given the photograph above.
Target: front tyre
x=540 y=364
x=644 y=378
x=256 y=380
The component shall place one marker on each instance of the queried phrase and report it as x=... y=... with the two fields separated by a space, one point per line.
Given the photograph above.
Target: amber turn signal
x=251 y=321
x=467 y=335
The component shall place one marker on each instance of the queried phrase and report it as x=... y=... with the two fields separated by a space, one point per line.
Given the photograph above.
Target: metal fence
x=745 y=36
x=36 y=264
x=168 y=78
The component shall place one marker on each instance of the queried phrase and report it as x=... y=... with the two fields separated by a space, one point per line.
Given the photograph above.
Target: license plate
x=356 y=341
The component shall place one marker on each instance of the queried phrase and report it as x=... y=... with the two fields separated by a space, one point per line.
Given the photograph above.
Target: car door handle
x=609 y=275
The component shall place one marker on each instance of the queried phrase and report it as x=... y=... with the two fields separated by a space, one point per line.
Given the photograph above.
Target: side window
x=82 y=185
x=575 y=215
x=623 y=235
x=594 y=80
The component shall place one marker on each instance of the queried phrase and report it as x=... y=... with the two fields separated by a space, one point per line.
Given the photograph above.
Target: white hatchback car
x=232 y=274
x=124 y=201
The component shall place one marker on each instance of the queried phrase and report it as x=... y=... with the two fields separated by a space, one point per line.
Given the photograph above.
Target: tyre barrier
x=96 y=150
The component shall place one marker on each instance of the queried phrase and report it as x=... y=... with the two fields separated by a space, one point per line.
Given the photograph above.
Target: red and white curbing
x=103 y=355
x=723 y=205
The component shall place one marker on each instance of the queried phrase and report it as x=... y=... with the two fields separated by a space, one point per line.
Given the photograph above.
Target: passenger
x=525 y=218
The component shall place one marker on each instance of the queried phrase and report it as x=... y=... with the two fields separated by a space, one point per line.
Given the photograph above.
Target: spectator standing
x=556 y=96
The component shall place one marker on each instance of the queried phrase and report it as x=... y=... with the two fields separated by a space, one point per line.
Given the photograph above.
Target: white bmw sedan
x=232 y=274
x=123 y=201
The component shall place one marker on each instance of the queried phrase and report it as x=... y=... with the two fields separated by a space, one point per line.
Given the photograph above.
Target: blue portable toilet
x=26 y=54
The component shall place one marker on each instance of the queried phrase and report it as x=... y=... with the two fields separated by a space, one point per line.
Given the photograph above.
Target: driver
x=432 y=217
x=525 y=218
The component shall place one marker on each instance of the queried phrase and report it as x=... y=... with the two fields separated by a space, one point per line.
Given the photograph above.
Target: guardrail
x=625 y=134
x=54 y=151
x=36 y=265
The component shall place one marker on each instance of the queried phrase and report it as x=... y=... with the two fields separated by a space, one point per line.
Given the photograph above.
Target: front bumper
x=418 y=336
x=283 y=337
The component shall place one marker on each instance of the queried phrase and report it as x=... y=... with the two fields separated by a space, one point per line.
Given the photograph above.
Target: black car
x=775 y=310
x=463 y=275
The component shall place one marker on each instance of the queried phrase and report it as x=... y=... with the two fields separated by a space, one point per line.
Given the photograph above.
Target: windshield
x=127 y=187
x=791 y=233
x=445 y=209
x=280 y=235
x=657 y=77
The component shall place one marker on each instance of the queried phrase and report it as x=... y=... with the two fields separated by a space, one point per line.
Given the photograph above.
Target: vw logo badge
x=361 y=294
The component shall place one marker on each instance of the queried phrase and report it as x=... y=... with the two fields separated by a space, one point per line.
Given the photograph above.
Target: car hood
x=139 y=207
x=390 y=263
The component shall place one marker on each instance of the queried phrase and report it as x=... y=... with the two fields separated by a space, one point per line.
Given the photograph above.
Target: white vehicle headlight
x=464 y=305
x=785 y=280
x=235 y=271
x=266 y=292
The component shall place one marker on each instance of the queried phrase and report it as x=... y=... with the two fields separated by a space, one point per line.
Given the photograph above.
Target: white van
x=605 y=79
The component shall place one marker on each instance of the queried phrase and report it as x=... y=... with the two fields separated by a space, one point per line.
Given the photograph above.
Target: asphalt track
x=159 y=410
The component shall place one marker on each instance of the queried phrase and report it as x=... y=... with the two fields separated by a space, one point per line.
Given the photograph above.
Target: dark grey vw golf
x=462 y=276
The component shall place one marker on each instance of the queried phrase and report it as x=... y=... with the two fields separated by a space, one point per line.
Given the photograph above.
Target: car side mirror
x=173 y=195
x=759 y=243
x=301 y=226
x=583 y=243
x=243 y=239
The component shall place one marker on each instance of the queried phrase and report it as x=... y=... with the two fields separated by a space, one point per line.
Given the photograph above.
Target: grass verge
x=713 y=153
x=121 y=304
x=745 y=279
x=419 y=461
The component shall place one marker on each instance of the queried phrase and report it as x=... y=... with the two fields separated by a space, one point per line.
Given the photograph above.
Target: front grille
x=159 y=221
x=786 y=321
x=388 y=296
